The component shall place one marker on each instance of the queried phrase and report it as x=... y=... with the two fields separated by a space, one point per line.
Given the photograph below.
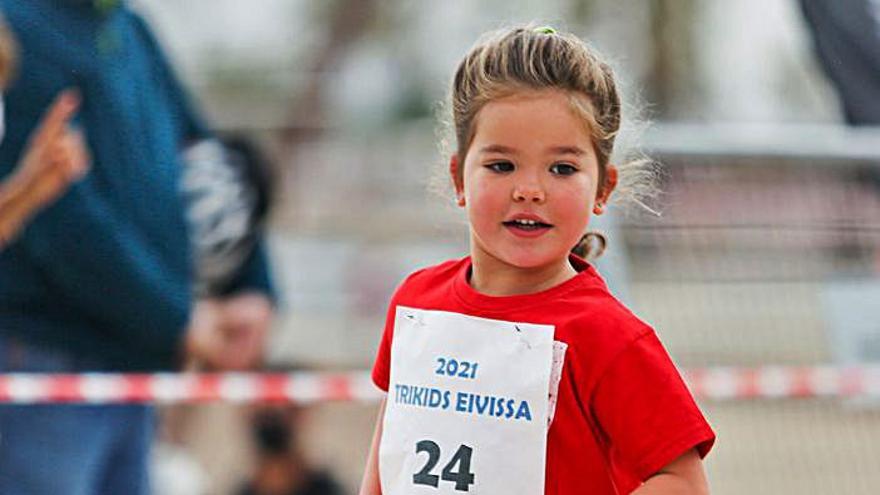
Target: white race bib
x=467 y=405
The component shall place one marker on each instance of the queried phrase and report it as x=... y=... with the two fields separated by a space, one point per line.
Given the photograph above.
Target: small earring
x=460 y=200
x=598 y=208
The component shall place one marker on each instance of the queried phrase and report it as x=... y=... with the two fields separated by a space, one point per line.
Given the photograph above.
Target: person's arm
x=95 y=259
x=233 y=336
x=254 y=275
x=683 y=476
x=370 y=484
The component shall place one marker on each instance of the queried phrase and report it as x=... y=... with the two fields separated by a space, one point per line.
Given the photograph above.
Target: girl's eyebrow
x=497 y=148
x=556 y=150
x=568 y=150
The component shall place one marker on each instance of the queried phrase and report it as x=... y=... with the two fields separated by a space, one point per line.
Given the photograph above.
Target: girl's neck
x=493 y=277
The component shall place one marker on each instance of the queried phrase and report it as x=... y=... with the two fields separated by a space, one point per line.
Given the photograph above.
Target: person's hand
x=203 y=344
x=245 y=319
x=55 y=157
x=229 y=333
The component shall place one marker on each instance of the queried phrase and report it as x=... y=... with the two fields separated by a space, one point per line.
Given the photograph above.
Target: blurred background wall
x=770 y=206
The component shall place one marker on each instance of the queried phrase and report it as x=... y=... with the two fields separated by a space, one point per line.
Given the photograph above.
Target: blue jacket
x=106 y=272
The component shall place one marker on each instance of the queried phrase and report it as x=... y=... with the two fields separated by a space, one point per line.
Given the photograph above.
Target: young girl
x=514 y=370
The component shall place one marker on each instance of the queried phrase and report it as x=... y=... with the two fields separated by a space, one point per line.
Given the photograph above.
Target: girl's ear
x=610 y=183
x=456 y=173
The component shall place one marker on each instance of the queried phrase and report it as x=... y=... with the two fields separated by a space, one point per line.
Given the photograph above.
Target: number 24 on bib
x=467 y=405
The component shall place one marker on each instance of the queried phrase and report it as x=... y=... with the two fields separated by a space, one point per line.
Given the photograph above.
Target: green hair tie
x=545 y=30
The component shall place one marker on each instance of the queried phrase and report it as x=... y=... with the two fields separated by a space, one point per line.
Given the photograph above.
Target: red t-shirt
x=623 y=411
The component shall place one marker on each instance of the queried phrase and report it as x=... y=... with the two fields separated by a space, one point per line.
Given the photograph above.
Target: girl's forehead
x=538 y=117
x=550 y=98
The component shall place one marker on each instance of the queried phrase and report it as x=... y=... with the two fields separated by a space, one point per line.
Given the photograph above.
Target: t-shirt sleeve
x=647 y=412
x=382 y=366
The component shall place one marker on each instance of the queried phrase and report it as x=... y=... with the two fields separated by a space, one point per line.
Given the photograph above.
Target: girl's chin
x=522 y=255
x=533 y=261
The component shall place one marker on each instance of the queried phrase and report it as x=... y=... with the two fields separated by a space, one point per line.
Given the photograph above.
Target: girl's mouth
x=526 y=225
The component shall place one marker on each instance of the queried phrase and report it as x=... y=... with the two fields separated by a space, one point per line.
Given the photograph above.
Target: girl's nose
x=528 y=193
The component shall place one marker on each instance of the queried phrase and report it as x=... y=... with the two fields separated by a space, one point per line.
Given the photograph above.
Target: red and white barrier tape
x=725 y=383
x=781 y=382
x=164 y=388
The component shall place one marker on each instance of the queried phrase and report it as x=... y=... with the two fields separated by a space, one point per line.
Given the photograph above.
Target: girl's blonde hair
x=531 y=58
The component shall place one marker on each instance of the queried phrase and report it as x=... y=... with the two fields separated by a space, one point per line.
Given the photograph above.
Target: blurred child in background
x=281 y=468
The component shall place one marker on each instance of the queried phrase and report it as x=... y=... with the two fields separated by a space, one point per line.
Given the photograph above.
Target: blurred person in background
x=281 y=468
x=847 y=41
x=105 y=279
x=55 y=157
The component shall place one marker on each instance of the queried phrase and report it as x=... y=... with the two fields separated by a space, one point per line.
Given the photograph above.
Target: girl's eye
x=500 y=167
x=563 y=169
